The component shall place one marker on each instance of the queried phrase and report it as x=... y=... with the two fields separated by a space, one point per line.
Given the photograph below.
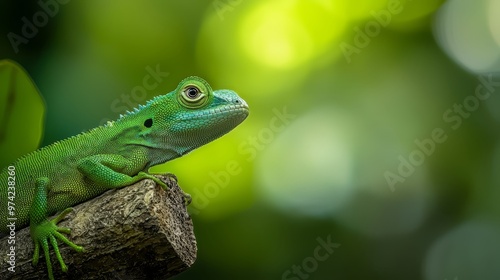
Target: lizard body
x=74 y=170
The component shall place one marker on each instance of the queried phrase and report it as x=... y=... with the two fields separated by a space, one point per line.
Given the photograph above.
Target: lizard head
x=193 y=115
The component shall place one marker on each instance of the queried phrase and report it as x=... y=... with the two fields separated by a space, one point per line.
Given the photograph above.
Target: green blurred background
x=341 y=93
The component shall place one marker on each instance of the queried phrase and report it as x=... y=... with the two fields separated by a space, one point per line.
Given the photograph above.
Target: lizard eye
x=192 y=92
x=193 y=97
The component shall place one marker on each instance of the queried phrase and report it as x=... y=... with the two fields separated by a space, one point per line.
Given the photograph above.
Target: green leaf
x=21 y=113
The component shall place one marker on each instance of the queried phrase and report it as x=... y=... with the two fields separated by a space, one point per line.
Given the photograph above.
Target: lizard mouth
x=240 y=109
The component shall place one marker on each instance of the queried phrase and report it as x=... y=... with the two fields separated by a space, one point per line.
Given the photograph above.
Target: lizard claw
x=172 y=176
x=158 y=181
x=187 y=198
x=46 y=233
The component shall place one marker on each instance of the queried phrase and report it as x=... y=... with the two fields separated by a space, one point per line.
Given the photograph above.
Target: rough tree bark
x=137 y=232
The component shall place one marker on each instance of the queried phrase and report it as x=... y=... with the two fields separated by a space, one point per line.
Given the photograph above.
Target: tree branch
x=137 y=232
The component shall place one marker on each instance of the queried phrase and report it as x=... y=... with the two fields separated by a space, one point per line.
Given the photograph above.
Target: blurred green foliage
x=340 y=92
x=22 y=107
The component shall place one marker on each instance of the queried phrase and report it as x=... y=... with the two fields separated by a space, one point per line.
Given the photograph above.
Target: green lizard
x=115 y=155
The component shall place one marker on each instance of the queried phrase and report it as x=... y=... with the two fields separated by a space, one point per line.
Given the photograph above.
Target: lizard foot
x=187 y=197
x=144 y=175
x=47 y=232
x=171 y=176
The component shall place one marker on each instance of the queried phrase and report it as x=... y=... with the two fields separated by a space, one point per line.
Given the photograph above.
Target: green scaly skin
x=115 y=155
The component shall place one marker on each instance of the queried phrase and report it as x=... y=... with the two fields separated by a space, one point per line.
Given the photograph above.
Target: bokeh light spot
x=471 y=251
x=494 y=19
x=299 y=32
x=315 y=178
x=470 y=42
